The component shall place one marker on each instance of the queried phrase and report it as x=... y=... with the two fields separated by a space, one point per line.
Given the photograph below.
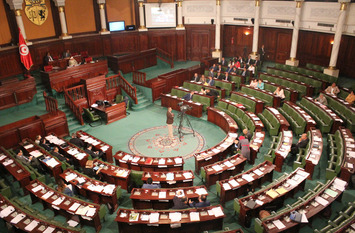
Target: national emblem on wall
x=36 y=11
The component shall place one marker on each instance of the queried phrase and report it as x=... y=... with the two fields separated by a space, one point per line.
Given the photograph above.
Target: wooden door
x=200 y=46
x=283 y=47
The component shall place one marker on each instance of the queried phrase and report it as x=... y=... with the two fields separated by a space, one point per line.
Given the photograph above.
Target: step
x=143 y=101
x=139 y=107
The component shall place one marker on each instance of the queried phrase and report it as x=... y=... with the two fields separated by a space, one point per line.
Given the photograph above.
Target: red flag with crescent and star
x=24 y=52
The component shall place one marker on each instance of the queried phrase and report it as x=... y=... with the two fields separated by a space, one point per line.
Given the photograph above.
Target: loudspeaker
x=252 y=20
x=212 y=21
x=130 y=27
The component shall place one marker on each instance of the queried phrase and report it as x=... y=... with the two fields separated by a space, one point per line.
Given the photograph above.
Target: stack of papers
x=201 y=191
x=170 y=176
x=70 y=177
x=109 y=189
x=226 y=186
x=272 y=193
x=52 y=162
x=178 y=160
x=217 y=211
x=194 y=216
x=233 y=182
x=154 y=218
x=162 y=194
x=217 y=168
x=175 y=217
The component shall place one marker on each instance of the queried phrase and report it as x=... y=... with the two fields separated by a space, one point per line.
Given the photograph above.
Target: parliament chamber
x=263 y=116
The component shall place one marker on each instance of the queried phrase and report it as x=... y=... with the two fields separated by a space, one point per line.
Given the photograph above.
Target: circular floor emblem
x=155 y=142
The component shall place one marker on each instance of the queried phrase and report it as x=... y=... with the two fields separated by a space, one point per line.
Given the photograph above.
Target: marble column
x=254 y=53
x=296 y=28
x=16 y=6
x=331 y=70
x=217 y=53
x=63 y=23
x=180 y=26
x=104 y=30
x=141 y=17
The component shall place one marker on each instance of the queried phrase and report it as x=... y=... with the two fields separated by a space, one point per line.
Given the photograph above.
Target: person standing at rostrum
x=169 y=122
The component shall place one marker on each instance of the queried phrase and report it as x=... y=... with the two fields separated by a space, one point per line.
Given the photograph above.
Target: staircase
x=143 y=102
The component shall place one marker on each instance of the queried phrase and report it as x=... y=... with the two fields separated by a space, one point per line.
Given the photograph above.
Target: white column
x=331 y=70
x=16 y=6
x=141 y=17
x=180 y=26
x=104 y=30
x=217 y=53
x=254 y=53
x=296 y=27
x=63 y=23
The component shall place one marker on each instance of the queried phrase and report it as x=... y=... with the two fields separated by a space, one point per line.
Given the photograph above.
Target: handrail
x=128 y=88
x=69 y=101
x=112 y=82
x=77 y=92
x=51 y=103
x=139 y=78
x=166 y=56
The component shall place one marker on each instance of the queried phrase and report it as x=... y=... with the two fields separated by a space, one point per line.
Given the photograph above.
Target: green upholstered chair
x=92 y=116
x=119 y=99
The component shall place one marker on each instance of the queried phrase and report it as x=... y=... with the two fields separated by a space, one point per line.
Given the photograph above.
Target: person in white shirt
x=279 y=92
x=251 y=69
x=254 y=83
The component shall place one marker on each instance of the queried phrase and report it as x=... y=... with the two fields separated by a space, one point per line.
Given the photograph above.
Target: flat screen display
x=116 y=26
x=162 y=16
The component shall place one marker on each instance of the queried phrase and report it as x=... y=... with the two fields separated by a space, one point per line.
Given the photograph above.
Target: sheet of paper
x=154 y=218
x=162 y=194
x=49 y=230
x=258 y=172
x=91 y=212
x=187 y=175
x=194 y=216
x=217 y=211
x=321 y=201
x=175 y=217
x=18 y=218
x=47 y=195
x=247 y=177
x=234 y=183
x=37 y=188
x=32 y=225
x=74 y=207
x=201 y=191
x=58 y=201
x=226 y=186
x=7 y=211
x=279 y=224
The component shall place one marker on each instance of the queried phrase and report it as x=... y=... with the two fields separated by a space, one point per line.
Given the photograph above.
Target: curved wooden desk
x=171 y=179
x=283 y=148
x=203 y=219
x=347 y=167
x=214 y=154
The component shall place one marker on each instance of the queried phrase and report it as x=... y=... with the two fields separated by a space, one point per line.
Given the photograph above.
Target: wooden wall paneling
x=346 y=61
x=106 y=45
x=163 y=39
x=92 y=44
x=32 y=130
x=199 y=41
x=95 y=89
x=124 y=42
x=180 y=45
x=268 y=38
x=55 y=123
x=283 y=47
x=10 y=63
x=143 y=41
x=39 y=51
x=236 y=41
x=9 y=138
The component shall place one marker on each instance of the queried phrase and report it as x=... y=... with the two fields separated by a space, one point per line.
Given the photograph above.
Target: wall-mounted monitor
x=160 y=16
x=116 y=26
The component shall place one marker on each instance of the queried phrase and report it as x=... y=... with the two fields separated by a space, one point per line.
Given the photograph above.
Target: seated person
x=196 y=78
x=202 y=202
x=94 y=154
x=48 y=58
x=226 y=77
x=30 y=161
x=279 y=92
x=214 y=67
x=251 y=69
x=219 y=75
x=211 y=73
x=254 y=83
x=333 y=89
x=203 y=80
x=64 y=188
x=260 y=84
x=59 y=156
x=213 y=93
x=44 y=145
x=66 y=54
x=189 y=96
x=302 y=143
x=202 y=91
x=237 y=64
x=224 y=62
x=244 y=72
x=210 y=81
x=180 y=203
x=38 y=139
x=150 y=185
x=321 y=99
x=89 y=170
x=219 y=68
x=230 y=69
x=350 y=98
x=72 y=62
x=77 y=141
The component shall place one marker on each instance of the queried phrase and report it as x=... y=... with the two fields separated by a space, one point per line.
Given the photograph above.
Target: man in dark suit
x=202 y=202
x=77 y=141
x=224 y=62
x=32 y=161
x=196 y=78
x=257 y=63
x=229 y=69
x=213 y=93
x=210 y=81
x=211 y=73
x=213 y=67
x=244 y=72
x=180 y=203
x=44 y=145
x=48 y=58
x=59 y=156
x=94 y=154
x=188 y=96
x=66 y=54
x=302 y=143
x=262 y=53
x=219 y=69
x=226 y=77
x=219 y=76
x=150 y=185
x=90 y=171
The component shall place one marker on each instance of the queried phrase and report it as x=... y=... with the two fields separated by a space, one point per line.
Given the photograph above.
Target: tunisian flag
x=24 y=52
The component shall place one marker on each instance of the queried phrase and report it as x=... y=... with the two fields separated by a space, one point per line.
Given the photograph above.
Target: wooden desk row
x=97 y=191
x=142 y=163
x=347 y=167
x=17 y=92
x=315 y=151
x=97 y=144
x=223 y=169
x=255 y=144
x=173 y=101
x=161 y=199
x=26 y=222
x=64 y=205
x=242 y=183
x=214 y=154
x=187 y=220
x=63 y=62
x=284 y=124
x=276 y=100
x=274 y=194
x=259 y=125
x=51 y=163
x=293 y=93
x=283 y=148
x=321 y=200
x=259 y=104
x=66 y=148
x=196 y=93
x=223 y=91
x=15 y=168
x=171 y=179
